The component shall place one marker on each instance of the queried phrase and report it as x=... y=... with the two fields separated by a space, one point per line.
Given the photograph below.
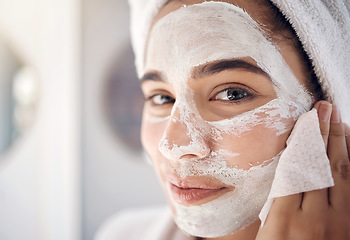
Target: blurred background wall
x=115 y=174
x=69 y=119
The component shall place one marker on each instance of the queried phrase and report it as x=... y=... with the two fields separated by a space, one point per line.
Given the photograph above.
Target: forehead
x=255 y=8
x=229 y=33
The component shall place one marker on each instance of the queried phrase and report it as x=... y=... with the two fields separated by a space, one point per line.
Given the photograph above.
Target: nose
x=183 y=138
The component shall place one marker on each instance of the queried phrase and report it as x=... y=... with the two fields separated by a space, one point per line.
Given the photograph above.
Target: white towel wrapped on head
x=323 y=27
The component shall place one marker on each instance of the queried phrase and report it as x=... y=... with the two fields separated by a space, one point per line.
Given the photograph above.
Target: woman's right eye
x=160 y=99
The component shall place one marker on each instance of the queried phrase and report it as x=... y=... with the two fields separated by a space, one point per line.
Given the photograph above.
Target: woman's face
x=221 y=100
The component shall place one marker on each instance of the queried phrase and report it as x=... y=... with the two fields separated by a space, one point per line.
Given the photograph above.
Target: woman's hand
x=321 y=214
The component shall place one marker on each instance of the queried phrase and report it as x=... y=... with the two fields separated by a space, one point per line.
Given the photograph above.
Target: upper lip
x=196 y=182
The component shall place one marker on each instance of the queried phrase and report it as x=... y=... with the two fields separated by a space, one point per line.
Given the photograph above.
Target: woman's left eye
x=231 y=94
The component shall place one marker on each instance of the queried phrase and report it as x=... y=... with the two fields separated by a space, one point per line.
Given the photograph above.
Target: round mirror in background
x=124 y=100
x=18 y=97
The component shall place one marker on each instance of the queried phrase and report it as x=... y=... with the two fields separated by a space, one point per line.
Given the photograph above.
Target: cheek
x=151 y=134
x=253 y=148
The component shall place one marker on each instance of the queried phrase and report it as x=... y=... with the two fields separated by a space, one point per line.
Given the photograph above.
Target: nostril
x=188 y=156
x=199 y=156
x=193 y=150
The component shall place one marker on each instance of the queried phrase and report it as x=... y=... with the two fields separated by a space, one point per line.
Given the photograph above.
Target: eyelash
x=170 y=99
x=246 y=95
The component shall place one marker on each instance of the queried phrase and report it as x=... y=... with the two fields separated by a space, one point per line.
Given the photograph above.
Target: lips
x=195 y=191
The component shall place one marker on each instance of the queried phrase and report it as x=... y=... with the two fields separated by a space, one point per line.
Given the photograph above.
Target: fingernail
x=324 y=111
x=317 y=105
x=335 y=117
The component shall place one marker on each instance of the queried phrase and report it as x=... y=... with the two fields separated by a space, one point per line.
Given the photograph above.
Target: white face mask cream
x=235 y=209
x=200 y=34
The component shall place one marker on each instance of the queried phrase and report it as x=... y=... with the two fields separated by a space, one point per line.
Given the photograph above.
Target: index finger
x=324 y=110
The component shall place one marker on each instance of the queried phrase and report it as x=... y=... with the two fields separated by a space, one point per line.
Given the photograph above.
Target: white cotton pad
x=303 y=166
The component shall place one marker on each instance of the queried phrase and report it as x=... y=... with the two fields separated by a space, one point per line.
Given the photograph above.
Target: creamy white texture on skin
x=235 y=209
x=196 y=35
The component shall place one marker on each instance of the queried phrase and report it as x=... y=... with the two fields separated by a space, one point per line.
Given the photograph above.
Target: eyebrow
x=219 y=66
x=151 y=76
x=211 y=69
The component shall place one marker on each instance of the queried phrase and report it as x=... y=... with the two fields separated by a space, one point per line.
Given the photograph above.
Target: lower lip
x=193 y=195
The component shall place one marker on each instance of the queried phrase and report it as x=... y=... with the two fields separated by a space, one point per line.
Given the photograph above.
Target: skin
x=321 y=214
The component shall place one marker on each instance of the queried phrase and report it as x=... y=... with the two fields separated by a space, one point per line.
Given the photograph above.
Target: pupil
x=165 y=99
x=234 y=94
